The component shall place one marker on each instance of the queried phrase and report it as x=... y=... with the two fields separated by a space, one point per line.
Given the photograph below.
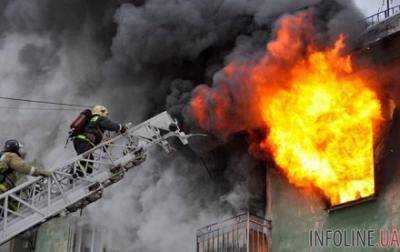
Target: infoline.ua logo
x=355 y=238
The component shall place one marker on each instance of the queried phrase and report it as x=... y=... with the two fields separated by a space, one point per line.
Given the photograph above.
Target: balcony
x=242 y=233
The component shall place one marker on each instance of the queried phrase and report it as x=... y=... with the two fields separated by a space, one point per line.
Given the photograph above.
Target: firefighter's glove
x=44 y=173
x=124 y=129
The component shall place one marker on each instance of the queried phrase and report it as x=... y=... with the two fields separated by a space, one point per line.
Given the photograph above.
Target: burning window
x=322 y=127
x=320 y=113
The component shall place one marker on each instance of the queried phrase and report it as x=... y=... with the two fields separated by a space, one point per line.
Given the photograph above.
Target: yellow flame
x=321 y=127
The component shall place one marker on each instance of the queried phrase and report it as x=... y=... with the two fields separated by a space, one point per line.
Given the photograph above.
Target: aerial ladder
x=70 y=188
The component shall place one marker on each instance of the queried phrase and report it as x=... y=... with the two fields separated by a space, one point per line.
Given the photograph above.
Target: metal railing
x=380 y=16
x=242 y=233
x=73 y=187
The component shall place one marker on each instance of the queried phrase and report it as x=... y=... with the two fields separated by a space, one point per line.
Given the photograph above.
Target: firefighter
x=92 y=134
x=11 y=162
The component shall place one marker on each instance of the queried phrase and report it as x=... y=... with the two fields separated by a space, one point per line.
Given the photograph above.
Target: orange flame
x=320 y=112
x=321 y=127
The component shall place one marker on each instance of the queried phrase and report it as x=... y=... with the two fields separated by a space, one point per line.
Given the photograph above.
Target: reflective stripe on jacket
x=97 y=125
x=85 y=138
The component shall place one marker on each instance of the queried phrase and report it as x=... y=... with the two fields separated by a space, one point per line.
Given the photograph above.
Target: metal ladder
x=72 y=187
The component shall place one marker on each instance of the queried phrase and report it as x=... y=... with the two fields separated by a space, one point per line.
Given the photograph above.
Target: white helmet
x=100 y=110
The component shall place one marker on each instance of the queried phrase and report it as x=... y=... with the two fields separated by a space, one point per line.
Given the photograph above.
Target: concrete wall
x=70 y=234
x=55 y=235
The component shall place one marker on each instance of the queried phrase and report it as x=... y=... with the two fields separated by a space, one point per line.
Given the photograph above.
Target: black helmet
x=12 y=146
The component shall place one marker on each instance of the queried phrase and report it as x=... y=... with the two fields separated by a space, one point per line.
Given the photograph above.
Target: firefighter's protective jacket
x=97 y=125
x=10 y=163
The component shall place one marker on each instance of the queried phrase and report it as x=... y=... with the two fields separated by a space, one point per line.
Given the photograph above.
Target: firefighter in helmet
x=11 y=162
x=93 y=131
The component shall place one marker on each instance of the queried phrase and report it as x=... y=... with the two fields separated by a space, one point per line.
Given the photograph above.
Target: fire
x=321 y=114
x=321 y=128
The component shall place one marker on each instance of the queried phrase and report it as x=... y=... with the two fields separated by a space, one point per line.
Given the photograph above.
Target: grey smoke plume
x=140 y=58
x=158 y=207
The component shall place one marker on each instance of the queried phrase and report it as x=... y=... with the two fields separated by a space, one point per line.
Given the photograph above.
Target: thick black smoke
x=331 y=19
x=140 y=58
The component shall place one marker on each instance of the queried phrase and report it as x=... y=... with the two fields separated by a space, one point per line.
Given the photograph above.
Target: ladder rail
x=71 y=187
